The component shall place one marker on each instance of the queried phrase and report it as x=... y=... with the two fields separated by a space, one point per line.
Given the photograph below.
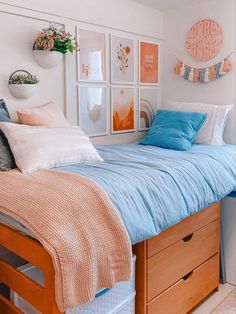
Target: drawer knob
x=188 y=275
x=188 y=237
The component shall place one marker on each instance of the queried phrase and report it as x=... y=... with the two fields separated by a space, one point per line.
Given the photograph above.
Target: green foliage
x=23 y=79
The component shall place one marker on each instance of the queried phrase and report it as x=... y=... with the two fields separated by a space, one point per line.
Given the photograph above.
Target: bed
x=169 y=203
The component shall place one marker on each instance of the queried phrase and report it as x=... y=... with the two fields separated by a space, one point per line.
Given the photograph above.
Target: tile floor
x=220 y=302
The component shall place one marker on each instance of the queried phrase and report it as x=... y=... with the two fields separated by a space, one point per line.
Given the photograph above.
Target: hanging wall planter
x=50 y=46
x=47 y=59
x=22 y=84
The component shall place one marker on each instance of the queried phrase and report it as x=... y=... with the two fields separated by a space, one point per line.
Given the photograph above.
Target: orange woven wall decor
x=204 y=40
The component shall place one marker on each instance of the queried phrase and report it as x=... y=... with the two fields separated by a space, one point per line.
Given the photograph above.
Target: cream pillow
x=43 y=147
x=212 y=130
x=46 y=115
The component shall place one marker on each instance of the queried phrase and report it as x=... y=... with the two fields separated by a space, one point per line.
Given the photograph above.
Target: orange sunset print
x=123 y=109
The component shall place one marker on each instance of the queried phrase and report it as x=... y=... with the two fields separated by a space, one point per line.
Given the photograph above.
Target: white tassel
x=221 y=71
x=206 y=76
x=191 y=75
x=182 y=70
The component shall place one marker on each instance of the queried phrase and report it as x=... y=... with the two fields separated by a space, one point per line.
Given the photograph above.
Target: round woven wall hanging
x=204 y=40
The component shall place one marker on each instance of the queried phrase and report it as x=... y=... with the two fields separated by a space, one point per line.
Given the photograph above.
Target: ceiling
x=166 y=5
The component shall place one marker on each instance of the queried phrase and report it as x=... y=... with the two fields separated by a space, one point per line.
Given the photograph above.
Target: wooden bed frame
x=175 y=270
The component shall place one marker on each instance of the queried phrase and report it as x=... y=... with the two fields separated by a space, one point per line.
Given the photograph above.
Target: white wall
x=118 y=14
x=17 y=35
x=21 y=20
x=221 y=91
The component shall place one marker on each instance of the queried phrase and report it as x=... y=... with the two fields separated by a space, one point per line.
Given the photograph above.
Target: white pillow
x=39 y=147
x=212 y=130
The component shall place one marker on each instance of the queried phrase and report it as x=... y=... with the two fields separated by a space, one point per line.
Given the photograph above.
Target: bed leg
x=217 y=289
x=140 y=250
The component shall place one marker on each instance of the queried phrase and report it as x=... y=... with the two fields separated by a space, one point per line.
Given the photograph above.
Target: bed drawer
x=170 y=265
x=182 y=229
x=189 y=291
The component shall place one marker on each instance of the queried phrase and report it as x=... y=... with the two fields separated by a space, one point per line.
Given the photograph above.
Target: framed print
x=148 y=63
x=148 y=104
x=93 y=110
x=122 y=60
x=91 y=56
x=122 y=109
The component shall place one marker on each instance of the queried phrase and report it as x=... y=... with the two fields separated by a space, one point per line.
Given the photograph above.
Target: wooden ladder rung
x=21 y=284
x=7 y=307
x=24 y=247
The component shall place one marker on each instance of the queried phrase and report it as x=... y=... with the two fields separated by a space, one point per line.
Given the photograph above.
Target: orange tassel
x=212 y=73
x=177 y=68
x=196 y=76
x=227 y=65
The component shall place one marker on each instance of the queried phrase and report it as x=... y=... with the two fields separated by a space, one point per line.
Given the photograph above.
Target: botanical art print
x=122 y=109
x=93 y=110
x=148 y=103
x=91 y=56
x=148 y=63
x=122 y=60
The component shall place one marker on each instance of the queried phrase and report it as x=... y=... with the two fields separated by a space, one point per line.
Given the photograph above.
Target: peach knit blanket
x=77 y=224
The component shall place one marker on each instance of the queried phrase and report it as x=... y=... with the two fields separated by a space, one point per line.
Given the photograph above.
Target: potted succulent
x=22 y=84
x=51 y=44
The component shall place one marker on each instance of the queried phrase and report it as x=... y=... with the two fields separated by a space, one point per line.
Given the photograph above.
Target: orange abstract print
x=123 y=110
x=149 y=63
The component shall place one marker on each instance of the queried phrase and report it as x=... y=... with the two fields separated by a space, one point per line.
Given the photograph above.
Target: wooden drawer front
x=182 y=229
x=170 y=265
x=186 y=294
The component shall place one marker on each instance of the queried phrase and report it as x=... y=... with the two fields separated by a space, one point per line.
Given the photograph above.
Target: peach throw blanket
x=77 y=224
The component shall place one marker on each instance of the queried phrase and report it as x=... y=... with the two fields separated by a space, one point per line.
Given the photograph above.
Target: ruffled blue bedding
x=154 y=188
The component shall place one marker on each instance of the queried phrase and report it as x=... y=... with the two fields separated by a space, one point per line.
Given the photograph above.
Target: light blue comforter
x=154 y=188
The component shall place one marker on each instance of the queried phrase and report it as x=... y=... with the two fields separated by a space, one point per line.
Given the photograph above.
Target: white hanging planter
x=24 y=85
x=22 y=91
x=47 y=59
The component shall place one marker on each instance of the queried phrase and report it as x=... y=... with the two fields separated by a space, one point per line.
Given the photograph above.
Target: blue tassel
x=187 y=72
x=218 y=67
x=202 y=76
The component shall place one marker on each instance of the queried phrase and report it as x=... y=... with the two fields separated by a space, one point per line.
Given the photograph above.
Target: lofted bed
x=76 y=201
x=177 y=261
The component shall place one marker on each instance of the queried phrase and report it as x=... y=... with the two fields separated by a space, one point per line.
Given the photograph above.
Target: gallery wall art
x=148 y=104
x=122 y=109
x=148 y=63
x=122 y=60
x=93 y=110
x=91 y=56
x=118 y=78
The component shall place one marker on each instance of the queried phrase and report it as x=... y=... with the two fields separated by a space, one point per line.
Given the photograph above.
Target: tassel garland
x=203 y=75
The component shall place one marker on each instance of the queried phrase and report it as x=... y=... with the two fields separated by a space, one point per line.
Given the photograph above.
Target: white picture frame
x=148 y=105
x=91 y=56
x=122 y=52
x=151 y=58
x=121 y=97
x=93 y=109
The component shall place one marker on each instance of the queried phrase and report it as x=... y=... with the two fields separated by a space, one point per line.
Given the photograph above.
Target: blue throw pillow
x=7 y=161
x=174 y=129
